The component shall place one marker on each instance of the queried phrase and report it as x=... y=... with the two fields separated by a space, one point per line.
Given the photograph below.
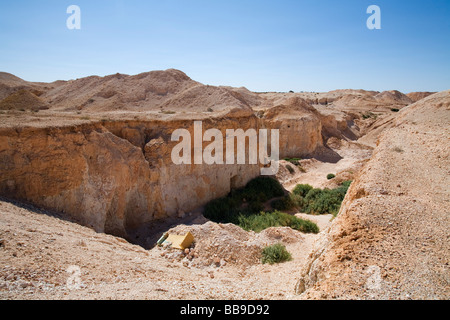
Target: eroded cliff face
x=115 y=176
x=299 y=126
x=86 y=172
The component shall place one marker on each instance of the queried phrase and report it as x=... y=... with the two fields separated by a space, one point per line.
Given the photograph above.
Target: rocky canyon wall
x=117 y=175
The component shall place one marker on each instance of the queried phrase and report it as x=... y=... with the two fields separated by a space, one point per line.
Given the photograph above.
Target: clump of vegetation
x=275 y=254
x=263 y=220
x=247 y=200
x=395 y=110
x=245 y=208
x=331 y=176
x=317 y=201
x=210 y=109
x=398 y=149
x=302 y=189
x=294 y=161
x=261 y=189
x=368 y=115
x=285 y=203
x=290 y=169
x=167 y=112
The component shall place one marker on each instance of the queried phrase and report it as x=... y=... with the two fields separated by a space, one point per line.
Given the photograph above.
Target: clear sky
x=300 y=45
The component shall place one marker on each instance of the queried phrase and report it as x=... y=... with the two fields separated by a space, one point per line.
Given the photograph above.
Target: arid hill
x=416 y=96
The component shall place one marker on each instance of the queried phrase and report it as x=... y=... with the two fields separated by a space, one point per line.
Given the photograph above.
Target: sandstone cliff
x=112 y=177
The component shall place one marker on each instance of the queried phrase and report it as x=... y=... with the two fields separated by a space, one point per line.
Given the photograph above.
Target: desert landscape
x=88 y=186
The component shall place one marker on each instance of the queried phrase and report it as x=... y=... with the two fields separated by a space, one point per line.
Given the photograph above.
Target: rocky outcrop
x=300 y=127
x=89 y=174
x=387 y=241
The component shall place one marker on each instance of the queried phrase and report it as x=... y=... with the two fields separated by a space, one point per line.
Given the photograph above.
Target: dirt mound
x=143 y=91
x=204 y=98
x=221 y=244
x=167 y=92
x=11 y=80
x=394 y=97
x=356 y=102
x=23 y=100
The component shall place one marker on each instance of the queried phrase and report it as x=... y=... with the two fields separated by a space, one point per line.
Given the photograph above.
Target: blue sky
x=302 y=45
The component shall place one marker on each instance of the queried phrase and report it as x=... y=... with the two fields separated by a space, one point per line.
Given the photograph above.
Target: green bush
x=221 y=210
x=254 y=207
x=264 y=220
x=262 y=189
x=248 y=200
x=331 y=176
x=294 y=161
x=302 y=189
x=245 y=207
x=275 y=254
x=297 y=200
x=285 y=203
x=320 y=201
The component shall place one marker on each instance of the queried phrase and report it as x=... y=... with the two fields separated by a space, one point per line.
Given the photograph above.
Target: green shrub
x=254 y=207
x=263 y=220
x=248 y=200
x=221 y=210
x=302 y=189
x=294 y=161
x=285 y=203
x=297 y=200
x=328 y=201
x=275 y=254
x=331 y=176
x=262 y=189
x=320 y=201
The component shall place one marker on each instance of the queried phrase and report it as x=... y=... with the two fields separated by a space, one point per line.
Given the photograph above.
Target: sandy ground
x=44 y=257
